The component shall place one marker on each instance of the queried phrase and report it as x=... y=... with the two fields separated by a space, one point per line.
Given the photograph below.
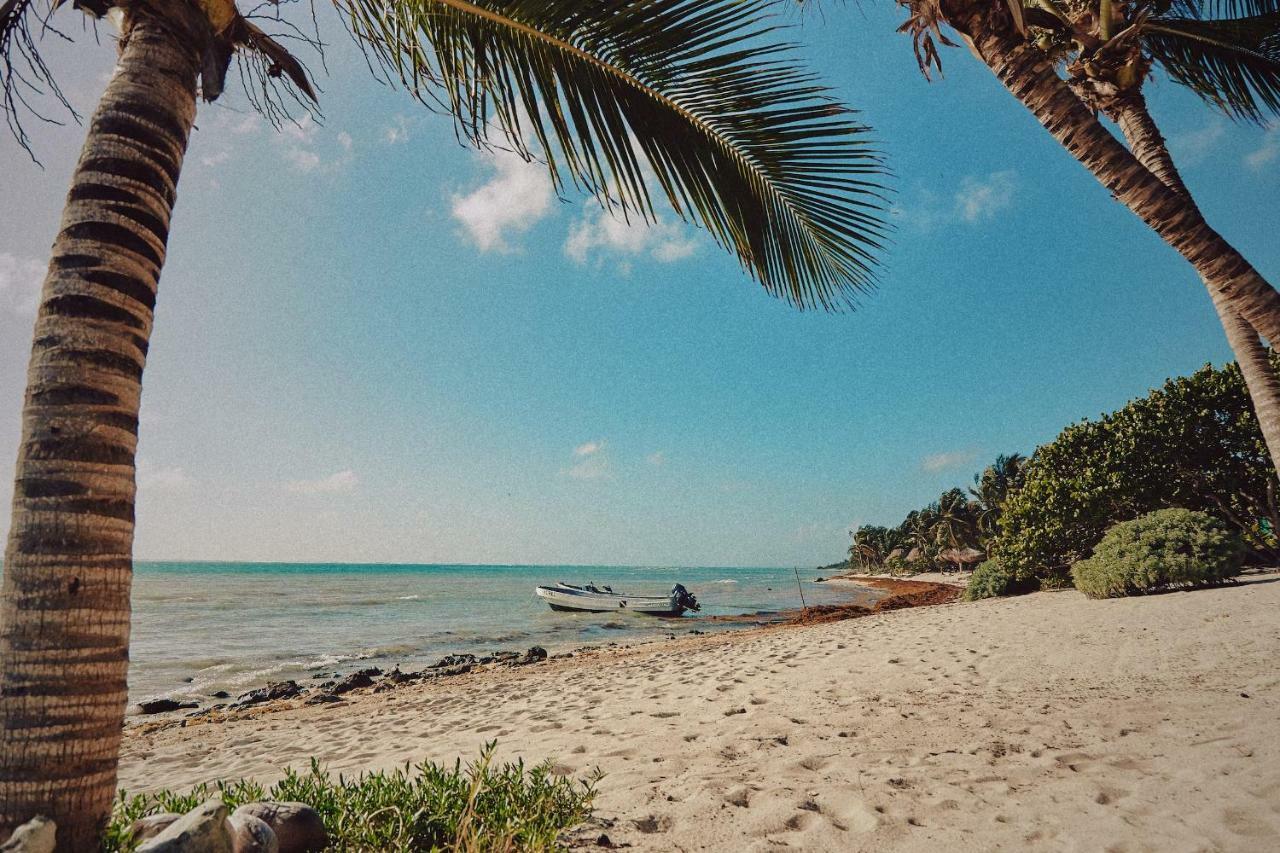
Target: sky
x=373 y=344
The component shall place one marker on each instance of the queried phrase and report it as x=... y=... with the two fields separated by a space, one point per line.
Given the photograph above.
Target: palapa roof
x=962 y=555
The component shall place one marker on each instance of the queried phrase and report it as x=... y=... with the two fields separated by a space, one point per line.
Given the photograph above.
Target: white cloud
x=978 y=199
x=1268 y=151
x=396 y=133
x=248 y=124
x=162 y=478
x=216 y=159
x=589 y=448
x=592 y=464
x=517 y=196
x=981 y=199
x=342 y=482
x=657 y=458
x=20 y=282
x=1194 y=146
x=950 y=459
x=303 y=159
x=600 y=234
x=304 y=147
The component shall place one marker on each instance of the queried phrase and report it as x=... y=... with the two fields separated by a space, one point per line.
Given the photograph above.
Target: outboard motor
x=684 y=598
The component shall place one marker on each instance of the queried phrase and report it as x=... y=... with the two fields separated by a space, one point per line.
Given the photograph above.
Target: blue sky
x=373 y=344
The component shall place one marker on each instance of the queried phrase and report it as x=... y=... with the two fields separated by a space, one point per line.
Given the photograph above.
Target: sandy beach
x=1045 y=722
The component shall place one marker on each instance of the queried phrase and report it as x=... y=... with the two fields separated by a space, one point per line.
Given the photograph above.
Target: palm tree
x=999 y=34
x=990 y=490
x=1232 y=63
x=737 y=136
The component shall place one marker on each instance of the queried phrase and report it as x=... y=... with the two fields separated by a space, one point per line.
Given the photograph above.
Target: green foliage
x=1194 y=444
x=479 y=807
x=1162 y=549
x=989 y=580
x=956 y=521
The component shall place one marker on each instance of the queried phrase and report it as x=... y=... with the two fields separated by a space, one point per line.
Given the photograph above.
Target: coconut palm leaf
x=1208 y=10
x=695 y=95
x=1233 y=64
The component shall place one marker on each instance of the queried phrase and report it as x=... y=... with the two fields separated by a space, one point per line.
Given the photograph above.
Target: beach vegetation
x=951 y=533
x=481 y=806
x=1165 y=549
x=692 y=103
x=1192 y=444
x=988 y=580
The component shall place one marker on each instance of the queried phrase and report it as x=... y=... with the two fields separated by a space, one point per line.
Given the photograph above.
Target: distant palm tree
x=1231 y=62
x=990 y=490
x=697 y=93
x=953 y=524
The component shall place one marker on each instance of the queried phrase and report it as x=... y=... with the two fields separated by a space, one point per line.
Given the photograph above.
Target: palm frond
x=739 y=137
x=1233 y=64
x=1209 y=10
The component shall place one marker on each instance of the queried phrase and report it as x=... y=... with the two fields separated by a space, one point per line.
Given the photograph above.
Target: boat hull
x=567 y=598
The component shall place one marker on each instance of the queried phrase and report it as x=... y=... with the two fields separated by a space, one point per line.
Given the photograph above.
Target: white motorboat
x=593 y=599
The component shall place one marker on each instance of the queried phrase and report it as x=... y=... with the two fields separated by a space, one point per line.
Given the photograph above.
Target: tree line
x=1194 y=444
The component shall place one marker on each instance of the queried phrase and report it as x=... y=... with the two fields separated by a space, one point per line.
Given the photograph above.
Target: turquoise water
x=203 y=627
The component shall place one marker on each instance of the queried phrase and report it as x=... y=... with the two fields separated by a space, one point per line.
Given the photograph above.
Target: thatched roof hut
x=962 y=556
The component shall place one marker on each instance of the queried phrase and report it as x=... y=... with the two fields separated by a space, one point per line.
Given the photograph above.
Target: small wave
x=725 y=580
x=407 y=597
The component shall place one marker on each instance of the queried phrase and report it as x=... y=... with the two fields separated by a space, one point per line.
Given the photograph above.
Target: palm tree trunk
x=1027 y=74
x=64 y=617
x=1129 y=111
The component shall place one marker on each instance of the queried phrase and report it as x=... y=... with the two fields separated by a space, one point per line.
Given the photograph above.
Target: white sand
x=1046 y=722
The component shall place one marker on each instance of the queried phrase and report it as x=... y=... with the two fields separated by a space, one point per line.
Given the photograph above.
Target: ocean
x=202 y=627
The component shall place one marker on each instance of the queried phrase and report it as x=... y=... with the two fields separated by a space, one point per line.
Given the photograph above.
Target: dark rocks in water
x=456 y=669
x=562 y=655
x=696 y=631
x=189 y=679
x=453 y=660
x=819 y=579
x=273 y=692
x=164 y=706
x=395 y=676
x=353 y=681
x=372 y=672
x=220 y=694
x=536 y=654
x=297 y=826
x=322 y=699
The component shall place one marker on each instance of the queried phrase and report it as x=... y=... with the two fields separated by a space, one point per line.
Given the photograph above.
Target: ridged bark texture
x=1025 y=72
x=1130 y=113
x=64 y=619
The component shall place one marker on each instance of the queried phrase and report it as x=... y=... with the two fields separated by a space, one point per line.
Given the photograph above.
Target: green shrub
x=989 y=580
x=1162 y=549
x=479 y=807
x=1194 y=443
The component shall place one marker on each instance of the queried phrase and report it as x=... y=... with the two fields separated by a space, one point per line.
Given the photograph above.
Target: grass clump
x=988 y=580
x=1159 y=550
x=428 y=807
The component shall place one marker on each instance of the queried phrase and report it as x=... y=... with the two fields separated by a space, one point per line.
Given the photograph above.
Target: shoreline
x=1042 y=722
x=331 y=688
